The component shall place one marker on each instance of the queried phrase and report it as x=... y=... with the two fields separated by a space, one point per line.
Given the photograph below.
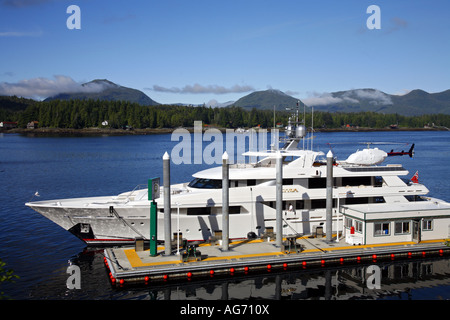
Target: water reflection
x=408 y=279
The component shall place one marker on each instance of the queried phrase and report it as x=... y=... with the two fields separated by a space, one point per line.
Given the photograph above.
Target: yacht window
x=251 y=182
x=356 y=181
x=414 y=198
x=318 y=203
x=234 y=209
x=299 y=204
x=321 y=203
x=378 y=181
x=363 y=200
x=205 y=183
x=288 y=182
x=317 y=183
x=379 y=200
x=199 y=211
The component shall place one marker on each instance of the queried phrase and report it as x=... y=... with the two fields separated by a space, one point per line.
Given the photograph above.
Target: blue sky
x=202 y=51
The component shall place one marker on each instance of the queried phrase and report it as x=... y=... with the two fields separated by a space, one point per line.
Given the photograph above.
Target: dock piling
x=167 y=207
x=329 y=199
x=225 y=202
x=279 y=200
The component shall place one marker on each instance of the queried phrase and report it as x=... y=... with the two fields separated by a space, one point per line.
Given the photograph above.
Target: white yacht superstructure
x=196 y=206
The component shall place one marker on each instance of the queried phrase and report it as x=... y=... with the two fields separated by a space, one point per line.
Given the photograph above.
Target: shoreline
x=148 y=131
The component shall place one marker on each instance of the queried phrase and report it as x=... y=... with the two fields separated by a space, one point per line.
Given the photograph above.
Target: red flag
x=415 y=178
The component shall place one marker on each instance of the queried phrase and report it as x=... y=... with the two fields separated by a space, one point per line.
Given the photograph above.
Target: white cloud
x=402 y=92
x=42 y=87
x=21 y=34
x=377 y=97
x=213 y=103
x=322 y=99
x=291 y=93
x=201 y=89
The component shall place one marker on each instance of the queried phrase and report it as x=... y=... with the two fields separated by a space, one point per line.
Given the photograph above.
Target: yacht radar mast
x=294 y=131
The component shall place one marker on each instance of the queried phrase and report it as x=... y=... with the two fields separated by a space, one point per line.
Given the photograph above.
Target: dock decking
x=130 y=266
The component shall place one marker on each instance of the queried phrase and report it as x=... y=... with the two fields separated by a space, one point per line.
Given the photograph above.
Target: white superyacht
x=196 y=206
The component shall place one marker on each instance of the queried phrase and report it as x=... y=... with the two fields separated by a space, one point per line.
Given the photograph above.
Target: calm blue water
x=62 y=167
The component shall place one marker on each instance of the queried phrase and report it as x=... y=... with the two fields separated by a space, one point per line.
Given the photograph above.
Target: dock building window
x=402 y=227
x=358 y=226
x=427 y=225
x=381 y=229
x=348 y=222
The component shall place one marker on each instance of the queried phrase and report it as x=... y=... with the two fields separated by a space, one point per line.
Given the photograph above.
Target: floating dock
x=135 y=265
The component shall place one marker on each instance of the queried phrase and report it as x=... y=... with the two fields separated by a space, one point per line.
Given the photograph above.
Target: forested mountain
x=102 y=89
x=416 y=102
x=10 y=105
x=422 y=102
x=267 y=100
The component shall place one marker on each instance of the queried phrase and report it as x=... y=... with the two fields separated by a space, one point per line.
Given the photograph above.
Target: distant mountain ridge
x=416 y=102
x=267 y=99
x=103 y=89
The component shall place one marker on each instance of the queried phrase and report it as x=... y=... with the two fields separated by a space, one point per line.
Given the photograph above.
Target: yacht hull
x=115 y=223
